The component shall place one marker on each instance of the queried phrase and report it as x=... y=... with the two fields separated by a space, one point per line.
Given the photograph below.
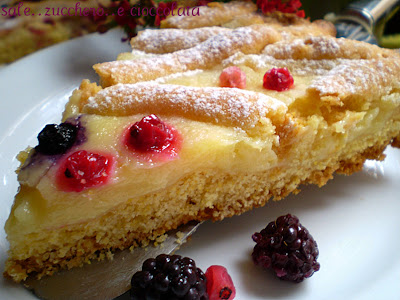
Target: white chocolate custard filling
x=204 y=146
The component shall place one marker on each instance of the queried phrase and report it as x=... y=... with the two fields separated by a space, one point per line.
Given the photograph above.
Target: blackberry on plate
x=169 y=277
x=56 y=139
x=286 y=247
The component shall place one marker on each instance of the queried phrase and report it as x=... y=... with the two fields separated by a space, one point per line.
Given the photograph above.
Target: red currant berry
x=152 y=140
x=233 y=77
x=82 y=170
x=278 y=79
x=150 y=134
x=219 y=284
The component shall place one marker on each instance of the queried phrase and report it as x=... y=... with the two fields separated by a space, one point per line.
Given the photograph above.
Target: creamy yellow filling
x=205 y=146
x=254 y=82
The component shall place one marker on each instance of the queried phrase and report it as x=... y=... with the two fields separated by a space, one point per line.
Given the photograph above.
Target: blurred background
x=391 y=30
x=21 y=35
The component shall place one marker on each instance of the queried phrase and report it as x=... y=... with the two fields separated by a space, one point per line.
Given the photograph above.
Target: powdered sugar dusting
x=220 y=46
x=228 y=106
x=205 y=55
x=311 y=47
x=170 y=40
x=299 y=67
x=325 y=47
x=370 y=78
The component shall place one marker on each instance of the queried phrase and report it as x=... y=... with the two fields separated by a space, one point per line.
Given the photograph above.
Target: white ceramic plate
x=353 y=219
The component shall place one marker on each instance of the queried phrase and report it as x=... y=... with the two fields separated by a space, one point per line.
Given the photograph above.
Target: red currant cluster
x=288 y=6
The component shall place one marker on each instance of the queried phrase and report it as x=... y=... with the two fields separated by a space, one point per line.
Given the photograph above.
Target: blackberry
x=169 y=278
x=56 y=139
x=286 y=247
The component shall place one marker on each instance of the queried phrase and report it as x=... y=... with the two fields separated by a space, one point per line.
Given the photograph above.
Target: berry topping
x=56 y=139
x=219 y=283
x=278 y=79
x=286 y=247
x=169 y=277
x=288 y=6
x=153 y=140
x=150 y=134
x=233 y=77
x=82 y=170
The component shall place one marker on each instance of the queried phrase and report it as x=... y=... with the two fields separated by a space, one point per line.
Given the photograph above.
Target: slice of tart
x=133 y=160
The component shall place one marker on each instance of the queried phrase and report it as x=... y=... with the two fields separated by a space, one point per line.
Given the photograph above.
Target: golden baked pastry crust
x=163 y=41
x=250 y=39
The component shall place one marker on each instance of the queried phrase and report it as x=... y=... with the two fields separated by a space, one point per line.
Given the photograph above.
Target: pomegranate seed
x=219 y=284
x=233 y=77
x=278 y=79
x=82 y=170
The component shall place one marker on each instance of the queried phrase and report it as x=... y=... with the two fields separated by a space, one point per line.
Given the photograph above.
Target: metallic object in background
x=365 y=20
